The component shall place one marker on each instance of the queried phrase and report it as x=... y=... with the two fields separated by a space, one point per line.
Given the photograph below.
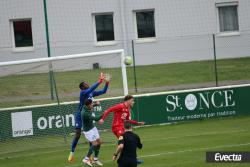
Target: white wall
x=15 y=9
x=183 y=29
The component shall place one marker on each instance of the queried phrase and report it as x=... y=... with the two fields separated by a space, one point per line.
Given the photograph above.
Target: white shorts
x=92 y=134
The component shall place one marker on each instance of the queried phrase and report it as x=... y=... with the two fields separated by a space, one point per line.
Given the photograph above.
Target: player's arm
x=133 y=121
x=104 y=90
x=93 y=87
x=109 y=110
x=119 y=147
x=139 y=144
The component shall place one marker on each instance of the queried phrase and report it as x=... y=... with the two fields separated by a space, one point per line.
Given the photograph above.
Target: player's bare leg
x=96 y=147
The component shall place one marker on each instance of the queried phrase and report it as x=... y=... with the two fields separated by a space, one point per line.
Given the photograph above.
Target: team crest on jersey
x=91 y=97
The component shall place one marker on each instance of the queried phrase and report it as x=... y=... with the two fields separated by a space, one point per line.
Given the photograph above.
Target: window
x=22 y=33
x=228 y=17
x=145 y=24
x=104 y=27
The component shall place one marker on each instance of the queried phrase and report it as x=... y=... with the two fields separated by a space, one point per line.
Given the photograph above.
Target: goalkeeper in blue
x=86 y=92
x=91 y=133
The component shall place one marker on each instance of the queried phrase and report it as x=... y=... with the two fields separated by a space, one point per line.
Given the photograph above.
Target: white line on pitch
x=197 y=149
x=46 y=152
x=146 y=140
x=176 y=152
x=198 y=134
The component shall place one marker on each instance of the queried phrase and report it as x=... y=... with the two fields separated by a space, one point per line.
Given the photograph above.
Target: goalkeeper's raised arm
x=104 y=90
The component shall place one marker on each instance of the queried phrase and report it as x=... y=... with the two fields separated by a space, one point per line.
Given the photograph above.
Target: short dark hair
x=127 y=124
x=128 y=97
x=87 y=102
x=81 y=85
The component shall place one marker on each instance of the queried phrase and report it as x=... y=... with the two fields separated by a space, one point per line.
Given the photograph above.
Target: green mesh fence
x=46 y=126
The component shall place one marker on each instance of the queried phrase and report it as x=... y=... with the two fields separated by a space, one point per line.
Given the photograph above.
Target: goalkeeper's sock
x=74 y=143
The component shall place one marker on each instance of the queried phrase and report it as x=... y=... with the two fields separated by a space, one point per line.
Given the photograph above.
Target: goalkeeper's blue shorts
x=78 y=120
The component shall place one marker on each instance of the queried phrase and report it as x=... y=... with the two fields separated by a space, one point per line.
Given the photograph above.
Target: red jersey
x=121 y=113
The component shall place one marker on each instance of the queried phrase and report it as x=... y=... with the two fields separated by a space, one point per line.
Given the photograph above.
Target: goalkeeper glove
x=101 y=78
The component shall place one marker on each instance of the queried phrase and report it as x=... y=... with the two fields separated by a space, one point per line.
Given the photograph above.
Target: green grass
x=192 y=72
x=175 y=145
x=37 y=86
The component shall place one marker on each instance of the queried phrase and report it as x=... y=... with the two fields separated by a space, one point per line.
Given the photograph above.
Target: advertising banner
x=194 y=104
x=151 y=108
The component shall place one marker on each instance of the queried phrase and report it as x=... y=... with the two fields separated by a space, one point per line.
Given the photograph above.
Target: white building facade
x=162 y=31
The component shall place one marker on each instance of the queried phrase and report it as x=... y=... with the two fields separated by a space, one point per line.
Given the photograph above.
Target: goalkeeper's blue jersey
x=87 y=94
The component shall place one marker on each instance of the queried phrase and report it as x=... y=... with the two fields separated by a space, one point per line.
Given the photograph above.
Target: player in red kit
x=121 y=113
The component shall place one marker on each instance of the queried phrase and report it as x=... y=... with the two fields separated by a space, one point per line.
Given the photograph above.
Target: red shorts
x=118 y=131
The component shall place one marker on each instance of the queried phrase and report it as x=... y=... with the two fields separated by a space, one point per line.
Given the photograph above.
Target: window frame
x=145 y=39
x=25 y=48
x=227 y=33
x=103 y=43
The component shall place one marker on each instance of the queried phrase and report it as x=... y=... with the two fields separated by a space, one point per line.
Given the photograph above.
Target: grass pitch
x=175 y=145
x=32 y=89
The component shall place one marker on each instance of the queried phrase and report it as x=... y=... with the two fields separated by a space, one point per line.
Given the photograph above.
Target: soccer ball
x=128 y=60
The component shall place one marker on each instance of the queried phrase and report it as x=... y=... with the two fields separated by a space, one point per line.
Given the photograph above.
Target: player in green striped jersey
x=90 y=131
